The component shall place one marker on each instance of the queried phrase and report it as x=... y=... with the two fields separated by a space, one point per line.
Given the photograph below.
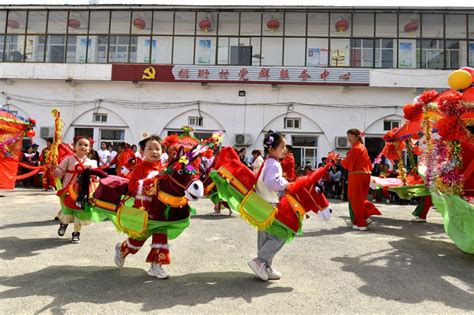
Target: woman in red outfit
x=288 y=164
x=359 y=167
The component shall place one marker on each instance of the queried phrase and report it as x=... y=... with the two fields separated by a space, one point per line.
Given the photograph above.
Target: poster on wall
x=471 y=54
x=317 y=57
x=407 y=54
x=204 y=52
x=82 y=48
x=338 y=57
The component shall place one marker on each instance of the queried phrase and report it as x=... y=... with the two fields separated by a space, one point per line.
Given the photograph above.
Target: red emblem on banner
x=345 y=76
x=224 y=74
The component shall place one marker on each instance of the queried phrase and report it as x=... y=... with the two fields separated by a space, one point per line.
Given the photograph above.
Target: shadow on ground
x=103 y=285
x=14 y=247
x=421 y=265
x=30 y=224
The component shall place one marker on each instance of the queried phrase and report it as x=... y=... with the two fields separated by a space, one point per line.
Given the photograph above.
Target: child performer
x=270 y=184
x=143 y=184
x=68 y=170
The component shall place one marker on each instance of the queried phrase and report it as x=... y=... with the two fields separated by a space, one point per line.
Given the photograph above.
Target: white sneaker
x=418 y=219
x=273 y=274
x=259 y=267
x=157 y=271
x=118 y=258
x=359 y=228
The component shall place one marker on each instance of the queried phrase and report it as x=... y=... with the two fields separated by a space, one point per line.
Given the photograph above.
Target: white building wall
x=325 y=111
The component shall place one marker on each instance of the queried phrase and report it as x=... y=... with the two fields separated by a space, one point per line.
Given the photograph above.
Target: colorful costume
x=143 y=185
x=359 y=167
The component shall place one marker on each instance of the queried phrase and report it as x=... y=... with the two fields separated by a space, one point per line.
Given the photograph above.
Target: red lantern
x=273 y=24
x=139 y=23
x=13 y=24
x=30 y=133
x=74 y=23
x=342 y=25
x=411 y=26
x=205 y=25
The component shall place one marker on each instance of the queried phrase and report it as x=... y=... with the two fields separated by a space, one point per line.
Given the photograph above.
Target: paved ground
x=396 y=267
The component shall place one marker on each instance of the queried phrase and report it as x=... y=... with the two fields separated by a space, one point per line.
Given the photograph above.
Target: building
x=309 y=72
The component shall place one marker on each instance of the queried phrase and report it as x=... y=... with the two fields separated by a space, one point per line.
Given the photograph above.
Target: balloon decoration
x=139 y=23
x=273 y=24
x=342 y=25
x=205 y=25
x=470 y=70
x=74 y=23
x=460 y=79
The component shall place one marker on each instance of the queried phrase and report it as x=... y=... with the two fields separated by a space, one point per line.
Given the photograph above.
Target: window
x=362 y=53
x=113 y=136
x=97 y=52
x=250 y=23
x=295 y=24
x=456 y=26
x=272 y=49
x=86 y=132
x=14 y=48
x=317 y=52
x=76 y=48
x=34 y=50
x=386 y=25
x=3 y=17
x=161 y=49
x=78 y=21
x=224 y=50
x=206 y=23
x=120 y=22
x=455 y=54
x=363 y=25
x=292 y=123
x=409 y=25
x=201 y=135
x=184 y=23
x=183 y=50
x=16 y=23
x=385 y=55
x=99 y=23
x=195 y=121
x=229 y=23
x=432 y=26
x=340 y=52
x=56 y=48
x=140 y=49
x=471 y=54
x=2 y=39
x=205 y=51
x=294 y=52
x=318 y=24
x=141 y=22
x=37 y=22
x=163 y=22
x=390 y=124
x=118 y=48
x=433 y=54
x=340 y=25
x=243 y=52
x=272 y=24
x=305 y=150
x=57 y=22
x=99 y=118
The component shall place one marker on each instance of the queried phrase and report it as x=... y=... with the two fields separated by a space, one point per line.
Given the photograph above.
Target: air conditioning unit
x=46 y=132
x=242 y=139
x=342 y=143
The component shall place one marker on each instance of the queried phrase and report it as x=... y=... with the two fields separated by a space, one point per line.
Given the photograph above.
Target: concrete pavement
x=396 y=267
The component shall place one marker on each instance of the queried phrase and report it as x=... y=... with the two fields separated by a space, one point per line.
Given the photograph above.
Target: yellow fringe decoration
x=261 y=226
x=129 y=232
x=53 y=154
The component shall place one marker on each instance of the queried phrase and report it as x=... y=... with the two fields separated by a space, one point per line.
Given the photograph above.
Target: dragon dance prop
x=12 y=130
x=443 y=124
x=235 y=184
